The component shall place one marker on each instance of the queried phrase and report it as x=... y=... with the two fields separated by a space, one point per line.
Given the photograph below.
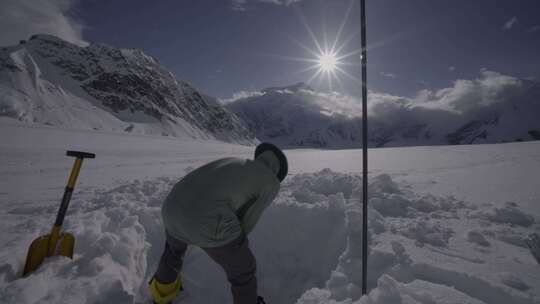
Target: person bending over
x=215 y=207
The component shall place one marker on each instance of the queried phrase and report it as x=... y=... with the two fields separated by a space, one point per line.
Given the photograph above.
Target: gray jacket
x=212 y=205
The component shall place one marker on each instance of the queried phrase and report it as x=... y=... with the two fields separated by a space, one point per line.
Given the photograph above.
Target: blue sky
x=226 y=46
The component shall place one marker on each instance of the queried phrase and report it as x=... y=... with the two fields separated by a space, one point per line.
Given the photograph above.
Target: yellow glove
x=164 y=293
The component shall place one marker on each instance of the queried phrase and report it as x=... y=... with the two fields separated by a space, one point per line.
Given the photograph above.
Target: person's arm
x=225 y=226
x=250 y=213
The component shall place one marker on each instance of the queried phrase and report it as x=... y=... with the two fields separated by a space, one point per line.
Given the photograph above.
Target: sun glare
x=328 y=62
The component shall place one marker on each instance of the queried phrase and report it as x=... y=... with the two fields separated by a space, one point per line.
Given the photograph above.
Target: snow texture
x=424 y=246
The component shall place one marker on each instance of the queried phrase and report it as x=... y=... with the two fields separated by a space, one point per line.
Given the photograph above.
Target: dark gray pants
x=235 y=258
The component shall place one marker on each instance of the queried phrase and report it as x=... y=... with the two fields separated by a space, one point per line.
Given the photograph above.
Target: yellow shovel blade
x=39 y=250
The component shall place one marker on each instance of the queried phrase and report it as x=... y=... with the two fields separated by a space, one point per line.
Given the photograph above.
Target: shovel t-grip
x=49 y=245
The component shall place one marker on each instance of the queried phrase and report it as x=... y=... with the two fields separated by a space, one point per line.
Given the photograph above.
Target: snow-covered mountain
x=495 y=108
x=288 y=117
x=46 y=80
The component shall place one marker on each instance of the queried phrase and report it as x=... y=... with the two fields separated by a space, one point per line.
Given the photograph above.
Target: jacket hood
x=270 y=160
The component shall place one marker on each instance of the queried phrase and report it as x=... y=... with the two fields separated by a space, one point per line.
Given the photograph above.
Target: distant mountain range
x=46 y=80
x=298 y=116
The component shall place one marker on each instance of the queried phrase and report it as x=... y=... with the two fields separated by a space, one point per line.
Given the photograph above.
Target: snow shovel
x=57 y=243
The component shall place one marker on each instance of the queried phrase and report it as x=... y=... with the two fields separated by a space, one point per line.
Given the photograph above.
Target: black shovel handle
x=80 y=154
x=71 y=183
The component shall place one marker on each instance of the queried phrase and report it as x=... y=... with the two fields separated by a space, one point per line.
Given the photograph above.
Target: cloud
x=277 y=2
x=280 y=2
x=240 y=95
x=388 y=75
x=510 y=23
x=534 y=29
x=463 y=98
x=19 y=19
x=432 y=116
x=383 y=105
x=469 y=95
x=333 y=103
x=451 y=68
x=241 y=5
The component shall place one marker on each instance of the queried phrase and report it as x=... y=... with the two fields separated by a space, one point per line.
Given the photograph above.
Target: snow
x=477 y=237
x=53 y=82
x=509 y=214
x=446 y=224
x=492 y=108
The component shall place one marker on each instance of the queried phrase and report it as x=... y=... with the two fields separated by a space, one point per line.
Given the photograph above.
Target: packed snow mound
x=490 y=109
x=509 y=214
x=308 y=248
x=46 y=80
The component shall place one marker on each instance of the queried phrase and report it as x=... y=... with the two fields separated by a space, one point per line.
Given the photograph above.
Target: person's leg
x=166 y=284
x=171 y=260
x=240 y=266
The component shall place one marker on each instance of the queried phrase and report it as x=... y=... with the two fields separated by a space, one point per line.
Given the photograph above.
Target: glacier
x=446 y=223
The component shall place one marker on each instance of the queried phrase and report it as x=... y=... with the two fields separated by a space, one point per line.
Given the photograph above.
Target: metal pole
x=364 y=150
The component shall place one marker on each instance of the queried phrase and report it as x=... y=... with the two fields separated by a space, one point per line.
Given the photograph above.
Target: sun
x=326 y=58
x=328 y=62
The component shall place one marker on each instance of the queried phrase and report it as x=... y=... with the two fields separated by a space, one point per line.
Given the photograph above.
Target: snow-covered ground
x=446 y=223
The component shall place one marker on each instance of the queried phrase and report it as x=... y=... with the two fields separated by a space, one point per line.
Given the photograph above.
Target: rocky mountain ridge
x=47 y=80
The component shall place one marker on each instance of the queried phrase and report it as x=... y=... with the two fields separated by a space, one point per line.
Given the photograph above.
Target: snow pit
x=423 y=248
x=477 y=238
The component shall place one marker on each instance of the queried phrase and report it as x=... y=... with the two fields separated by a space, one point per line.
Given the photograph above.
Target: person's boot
x=164 y=293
